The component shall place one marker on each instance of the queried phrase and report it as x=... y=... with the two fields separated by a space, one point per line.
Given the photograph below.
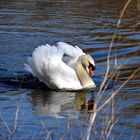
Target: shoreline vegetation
x=111 y=119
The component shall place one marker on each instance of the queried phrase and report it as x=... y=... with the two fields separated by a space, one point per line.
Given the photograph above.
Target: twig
x=111 y=44
x=106 y=123
x=16 y=118
x=122 y=131
x=115 y=92
x=49 y=135
x=6 y=125
x=106 y=102
x=92 y=118
x=112 y=75
x=111 y=129
x=122 y=13
x=17 y=113
x=113 y=110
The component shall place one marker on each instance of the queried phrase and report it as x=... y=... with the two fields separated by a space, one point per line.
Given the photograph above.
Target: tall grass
x=104 y=85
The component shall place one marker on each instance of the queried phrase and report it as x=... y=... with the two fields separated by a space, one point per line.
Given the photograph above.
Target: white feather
x=55 y=65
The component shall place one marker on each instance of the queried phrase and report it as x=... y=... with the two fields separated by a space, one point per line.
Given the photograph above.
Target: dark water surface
x=30 y=111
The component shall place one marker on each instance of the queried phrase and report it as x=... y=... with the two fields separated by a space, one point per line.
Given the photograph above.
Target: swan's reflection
x=84 y=102
x=54 y=103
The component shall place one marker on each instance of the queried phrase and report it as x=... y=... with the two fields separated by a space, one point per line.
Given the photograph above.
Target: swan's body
x=61 y=67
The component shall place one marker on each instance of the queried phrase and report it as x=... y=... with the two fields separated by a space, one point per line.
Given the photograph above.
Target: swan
x=62 y=66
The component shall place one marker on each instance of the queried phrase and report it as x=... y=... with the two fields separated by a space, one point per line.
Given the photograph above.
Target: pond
x=29 y=110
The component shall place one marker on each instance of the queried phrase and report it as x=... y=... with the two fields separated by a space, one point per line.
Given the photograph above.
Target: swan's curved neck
x=83 y=75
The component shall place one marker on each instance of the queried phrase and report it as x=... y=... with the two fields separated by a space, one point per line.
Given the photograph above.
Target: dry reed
x=6 y=125
x=104 y=85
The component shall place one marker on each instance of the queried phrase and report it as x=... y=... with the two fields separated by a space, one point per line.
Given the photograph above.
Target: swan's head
x=88 y=62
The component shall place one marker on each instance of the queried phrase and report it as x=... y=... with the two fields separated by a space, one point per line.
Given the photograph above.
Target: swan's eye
x=91 y=69
x=91 y=66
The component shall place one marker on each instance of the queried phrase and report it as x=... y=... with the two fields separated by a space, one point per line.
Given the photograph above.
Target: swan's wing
x=71 y=53
x=46 y=64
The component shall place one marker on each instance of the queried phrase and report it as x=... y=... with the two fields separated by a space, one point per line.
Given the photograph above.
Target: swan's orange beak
x=91 y=71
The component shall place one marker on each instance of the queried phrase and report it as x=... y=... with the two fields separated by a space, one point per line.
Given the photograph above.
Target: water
x=41 y=113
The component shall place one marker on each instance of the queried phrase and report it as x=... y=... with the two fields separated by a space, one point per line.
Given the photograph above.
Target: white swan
x=62 y=66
